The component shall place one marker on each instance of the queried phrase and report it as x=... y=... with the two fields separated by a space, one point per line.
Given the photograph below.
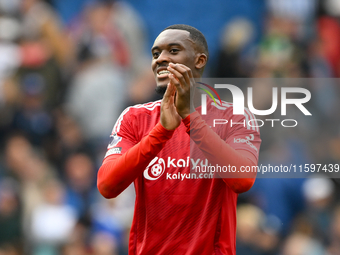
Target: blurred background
x=69 y=68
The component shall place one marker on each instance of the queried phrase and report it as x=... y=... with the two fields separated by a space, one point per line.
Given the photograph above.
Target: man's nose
x=164 y=57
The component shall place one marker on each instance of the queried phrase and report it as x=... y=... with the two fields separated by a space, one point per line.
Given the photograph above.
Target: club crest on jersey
x=115 y=139
x=155 y=169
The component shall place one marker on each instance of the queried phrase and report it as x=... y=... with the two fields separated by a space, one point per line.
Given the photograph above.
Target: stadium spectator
x=80 y=192
x=52 y=221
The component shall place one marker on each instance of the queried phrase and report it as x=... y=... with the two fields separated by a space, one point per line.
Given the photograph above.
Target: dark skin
x=177 y=60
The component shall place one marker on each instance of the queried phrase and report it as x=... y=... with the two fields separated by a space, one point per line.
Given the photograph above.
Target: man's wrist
x=184 y=116
x=189 y=119
x=159 y=128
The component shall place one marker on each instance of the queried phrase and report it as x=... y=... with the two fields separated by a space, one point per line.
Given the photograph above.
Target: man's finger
x=182 y=72
x=179 y=76
x=168 y=93
x=175 y=82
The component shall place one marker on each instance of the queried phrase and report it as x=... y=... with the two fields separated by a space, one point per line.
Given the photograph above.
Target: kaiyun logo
x=155 y=169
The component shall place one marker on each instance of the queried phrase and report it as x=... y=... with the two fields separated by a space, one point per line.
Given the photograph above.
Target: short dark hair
x=196 y=35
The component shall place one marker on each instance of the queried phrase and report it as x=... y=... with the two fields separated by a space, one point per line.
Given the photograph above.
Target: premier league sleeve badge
x=115 y=139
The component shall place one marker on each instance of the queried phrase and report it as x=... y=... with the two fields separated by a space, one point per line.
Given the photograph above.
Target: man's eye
x=174 y=50
x=155 y=54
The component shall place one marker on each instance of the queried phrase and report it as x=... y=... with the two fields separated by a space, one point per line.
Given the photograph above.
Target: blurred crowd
x=69 y=68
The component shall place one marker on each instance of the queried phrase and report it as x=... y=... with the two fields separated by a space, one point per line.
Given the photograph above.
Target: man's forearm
x=217 y=151
x=118 y=172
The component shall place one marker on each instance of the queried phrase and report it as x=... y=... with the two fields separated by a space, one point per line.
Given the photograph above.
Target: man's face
x=172 y=46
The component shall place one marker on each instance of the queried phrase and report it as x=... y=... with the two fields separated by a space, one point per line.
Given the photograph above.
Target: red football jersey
x=176 y=210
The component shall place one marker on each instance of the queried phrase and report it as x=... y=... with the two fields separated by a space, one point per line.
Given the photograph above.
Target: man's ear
x=201 y=60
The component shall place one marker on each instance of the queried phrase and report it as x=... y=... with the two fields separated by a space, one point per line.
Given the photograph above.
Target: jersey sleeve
x=122 y=137
x=244 y=133
x=126 y=156
x=219 y=152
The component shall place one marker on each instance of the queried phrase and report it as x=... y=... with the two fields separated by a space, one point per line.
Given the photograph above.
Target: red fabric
x=329 y=32
x=219 y=152
x=178 y=211
x=112 y=180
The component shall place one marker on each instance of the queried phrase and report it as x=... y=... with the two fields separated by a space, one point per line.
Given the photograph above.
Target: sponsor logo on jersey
x=247 y=141
x=157 y=166
x=155 y=169
x=115 y=139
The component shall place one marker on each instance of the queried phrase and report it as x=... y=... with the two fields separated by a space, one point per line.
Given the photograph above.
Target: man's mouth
x=162 y=73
